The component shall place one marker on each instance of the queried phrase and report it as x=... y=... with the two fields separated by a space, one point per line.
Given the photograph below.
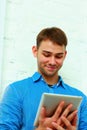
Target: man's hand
x=69 y=123
x=60 y=119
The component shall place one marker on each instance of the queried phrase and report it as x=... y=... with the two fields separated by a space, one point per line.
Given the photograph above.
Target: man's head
x=50 y=51
x=54 y=34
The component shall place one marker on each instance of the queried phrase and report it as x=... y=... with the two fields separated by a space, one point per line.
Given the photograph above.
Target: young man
x=20 y=101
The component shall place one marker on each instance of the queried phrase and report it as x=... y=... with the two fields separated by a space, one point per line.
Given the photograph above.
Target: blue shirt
x=20 y=102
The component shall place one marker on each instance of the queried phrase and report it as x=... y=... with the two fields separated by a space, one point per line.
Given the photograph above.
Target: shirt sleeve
x=83 y=115
x=10 y=110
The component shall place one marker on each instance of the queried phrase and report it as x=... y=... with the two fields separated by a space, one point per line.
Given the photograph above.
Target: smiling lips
x=51 y=68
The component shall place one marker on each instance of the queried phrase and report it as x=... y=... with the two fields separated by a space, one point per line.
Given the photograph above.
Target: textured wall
x=24 y=19
x=2 y=27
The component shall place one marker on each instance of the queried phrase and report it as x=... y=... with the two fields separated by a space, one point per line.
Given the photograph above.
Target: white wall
x=2 y=26
x=24 y=19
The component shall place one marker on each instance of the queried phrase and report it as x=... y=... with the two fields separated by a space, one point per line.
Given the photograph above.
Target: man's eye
x=46 y=54
x=59 y=57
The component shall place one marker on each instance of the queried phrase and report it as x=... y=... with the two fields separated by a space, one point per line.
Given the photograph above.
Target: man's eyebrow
x=59 y=53
x=46 y=51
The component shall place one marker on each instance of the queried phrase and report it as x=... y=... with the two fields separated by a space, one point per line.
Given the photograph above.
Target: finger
x=59 y=110
x=67 y=110
x=66 y=123
x=42 y=115
x=58 y=127
x=74 y=122
x=72 y=115
x=48 y=128
x=65 y=113
x=72 y=118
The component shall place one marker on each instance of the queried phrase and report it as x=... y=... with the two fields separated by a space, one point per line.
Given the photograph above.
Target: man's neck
x=51 y=80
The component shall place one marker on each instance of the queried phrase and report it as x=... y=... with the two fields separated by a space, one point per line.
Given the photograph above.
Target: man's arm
x=82 y=124
x=10 y=110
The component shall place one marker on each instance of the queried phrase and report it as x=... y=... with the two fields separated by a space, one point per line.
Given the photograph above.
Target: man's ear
x=34 y=51
x=65 y=54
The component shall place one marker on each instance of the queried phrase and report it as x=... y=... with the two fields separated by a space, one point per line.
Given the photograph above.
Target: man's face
x=50 y=57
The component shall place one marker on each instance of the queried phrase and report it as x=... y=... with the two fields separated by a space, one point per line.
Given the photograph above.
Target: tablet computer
x=51 y=101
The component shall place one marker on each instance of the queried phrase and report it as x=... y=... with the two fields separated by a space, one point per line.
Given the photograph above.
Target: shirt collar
x=61 y=82
x=37 y=76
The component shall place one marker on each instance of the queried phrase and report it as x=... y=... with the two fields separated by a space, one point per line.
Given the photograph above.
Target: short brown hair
x=54 y=34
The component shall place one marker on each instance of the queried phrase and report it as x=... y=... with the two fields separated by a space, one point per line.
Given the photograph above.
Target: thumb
x=42 y=115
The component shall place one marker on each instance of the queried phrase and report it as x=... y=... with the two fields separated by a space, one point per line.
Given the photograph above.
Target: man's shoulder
x=19 y=87
x=21 y=83
x=74 y=90
x=26 y=81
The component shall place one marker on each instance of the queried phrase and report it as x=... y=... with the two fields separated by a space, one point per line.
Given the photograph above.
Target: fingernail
x=48 y=128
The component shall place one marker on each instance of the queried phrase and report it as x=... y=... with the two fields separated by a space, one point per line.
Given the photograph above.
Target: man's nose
x=52 y=60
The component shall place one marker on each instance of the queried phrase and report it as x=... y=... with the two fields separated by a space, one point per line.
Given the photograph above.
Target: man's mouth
x=51 y=67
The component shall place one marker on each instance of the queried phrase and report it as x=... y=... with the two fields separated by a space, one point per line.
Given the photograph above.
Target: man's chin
x=50 y=74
